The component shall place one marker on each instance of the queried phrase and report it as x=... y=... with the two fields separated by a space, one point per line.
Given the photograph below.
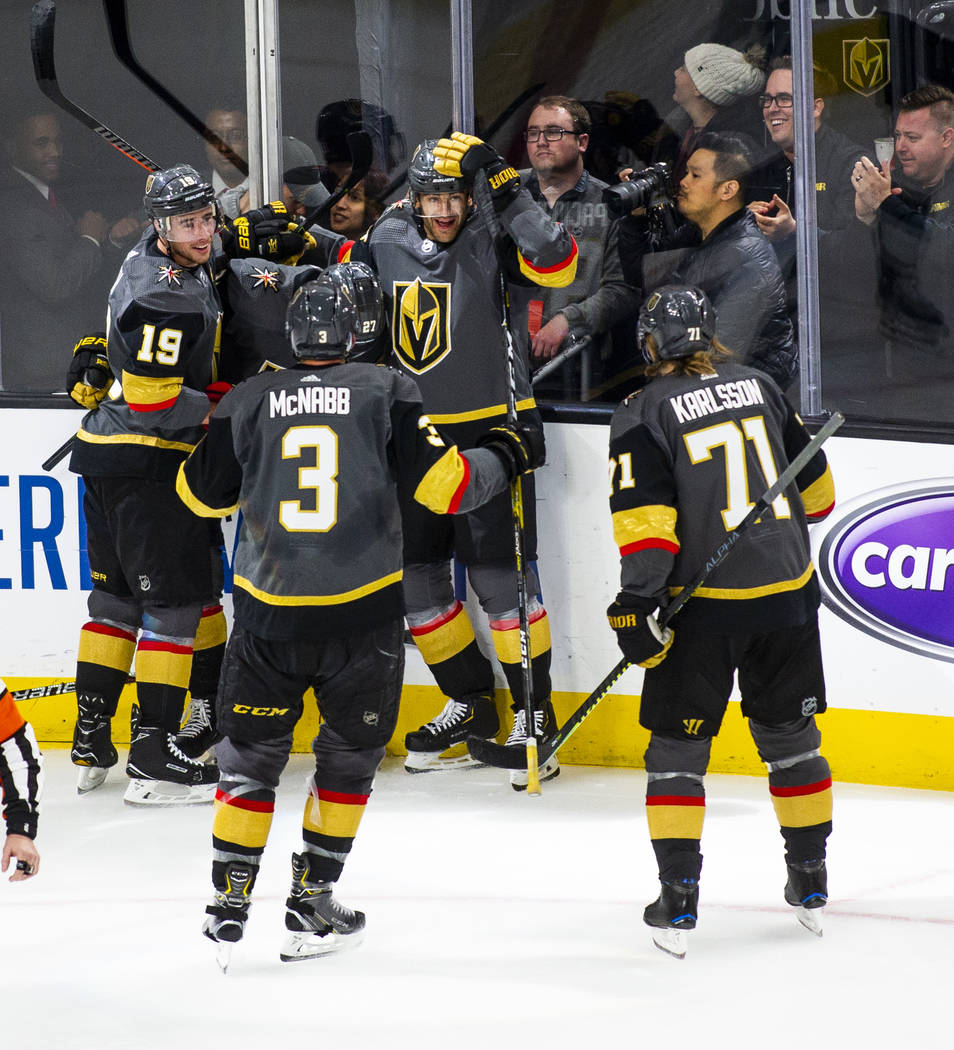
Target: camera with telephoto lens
x=649 y=188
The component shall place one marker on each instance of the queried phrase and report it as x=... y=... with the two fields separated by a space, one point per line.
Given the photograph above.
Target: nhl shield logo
x=866 y=64
x=421 y=323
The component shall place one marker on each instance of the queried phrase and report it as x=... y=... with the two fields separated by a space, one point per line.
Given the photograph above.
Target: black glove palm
x=89 y=377
x=639 y=636
x=520 y=446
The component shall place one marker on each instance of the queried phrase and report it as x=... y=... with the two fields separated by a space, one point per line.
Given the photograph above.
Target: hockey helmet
x=680 y=321
x=339 y=119
x=176 y=191
x=423 y=177
x=358 y=283
x=321 y=321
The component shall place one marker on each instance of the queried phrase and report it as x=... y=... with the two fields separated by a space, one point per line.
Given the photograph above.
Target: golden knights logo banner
x=421 y=323
x=866 y=64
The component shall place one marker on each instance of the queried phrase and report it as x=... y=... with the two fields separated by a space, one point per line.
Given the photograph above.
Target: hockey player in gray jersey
x=155 y=565
x=314 y=456
x=438 y=262
x=687 y=453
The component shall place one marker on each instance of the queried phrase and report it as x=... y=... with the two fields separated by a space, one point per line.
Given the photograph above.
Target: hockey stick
x=491 y=753
x=41 y=692
x=118 y=22
x=61 y=453
x=482 y=196
x=42 y=25
x=561 y=358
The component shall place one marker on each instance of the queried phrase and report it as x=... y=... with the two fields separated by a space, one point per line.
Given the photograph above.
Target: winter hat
x=723 y=75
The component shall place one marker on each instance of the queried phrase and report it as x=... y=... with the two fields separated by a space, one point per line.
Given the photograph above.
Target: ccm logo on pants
x=264 y=712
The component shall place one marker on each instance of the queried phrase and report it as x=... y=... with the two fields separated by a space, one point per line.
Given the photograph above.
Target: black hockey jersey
x=443 y=303
x=688 y=457
x=313 y=457
x=163 y=341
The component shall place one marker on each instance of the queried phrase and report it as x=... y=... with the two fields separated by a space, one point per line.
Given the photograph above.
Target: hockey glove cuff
x=463 y=156
x=639 y=637
x=520 y=446
x=89 y=377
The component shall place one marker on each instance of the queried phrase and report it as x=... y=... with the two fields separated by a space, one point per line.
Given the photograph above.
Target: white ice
x=494 y=921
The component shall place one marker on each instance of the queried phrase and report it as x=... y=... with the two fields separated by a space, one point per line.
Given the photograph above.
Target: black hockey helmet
x=176 y=191
x=423 y=178
x=321 y=321
x=339 y=119
x=357 y=282
x=680 y=321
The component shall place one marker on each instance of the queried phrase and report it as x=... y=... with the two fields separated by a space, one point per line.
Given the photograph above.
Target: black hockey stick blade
x=118 y=21
x=42 y=32
x=491 y=753
x=61 y=453
x=361 y=149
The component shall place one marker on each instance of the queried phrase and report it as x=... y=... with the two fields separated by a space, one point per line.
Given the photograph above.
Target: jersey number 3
x=319 y=478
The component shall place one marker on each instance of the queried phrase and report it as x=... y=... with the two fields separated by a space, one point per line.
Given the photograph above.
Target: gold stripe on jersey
x=819 y=497
x=804 y=807
x=439 y=489
x=676 y=819
x=337 y=819
x=446 y=639
x=212 y=629
x=479 y=413
x=318 y=599
x=558 y=276
x=134 y=439
x=150 y=392
x=192 y=501
x=507 y=639
x=163 y=663
x=650 y=526
x=237 y=825
x=744 y=593
x=106 y=646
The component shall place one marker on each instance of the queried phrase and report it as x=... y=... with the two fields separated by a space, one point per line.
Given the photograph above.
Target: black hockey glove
x=639 y=636
x=266 y=233
x=462 y=157
x=520 y=446
x=89 y=377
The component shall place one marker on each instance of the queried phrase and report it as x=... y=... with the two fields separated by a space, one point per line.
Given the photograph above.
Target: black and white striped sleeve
x=21 y=773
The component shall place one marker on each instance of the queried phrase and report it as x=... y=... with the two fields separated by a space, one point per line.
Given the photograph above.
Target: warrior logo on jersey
x=421 y=323
x=170 y=274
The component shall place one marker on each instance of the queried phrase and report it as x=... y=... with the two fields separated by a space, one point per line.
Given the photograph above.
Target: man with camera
x=723 y=251
x=557 y=136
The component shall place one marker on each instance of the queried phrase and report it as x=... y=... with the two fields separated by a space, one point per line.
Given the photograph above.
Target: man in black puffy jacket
x=727 y=257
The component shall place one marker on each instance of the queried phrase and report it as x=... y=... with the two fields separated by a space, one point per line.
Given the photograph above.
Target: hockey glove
x=520 y=446
x=89 y=377
x=217 y=390
x=638 y=635
x=462 y=157
x=266 y=233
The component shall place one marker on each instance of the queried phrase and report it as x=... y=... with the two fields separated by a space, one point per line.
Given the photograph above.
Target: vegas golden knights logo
x=866 y=64
x=421 y=323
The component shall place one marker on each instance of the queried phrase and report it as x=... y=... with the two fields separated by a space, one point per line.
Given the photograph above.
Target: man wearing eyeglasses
x=557 y=137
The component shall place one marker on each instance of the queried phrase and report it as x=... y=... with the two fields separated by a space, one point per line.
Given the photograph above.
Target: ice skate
x=93 y=749
x=197 y=733
x=163 y=775
x=672 y=915
x=545 y=728
x=807 y=891
x=474 y=715
x=318 y=924
x=227 y=914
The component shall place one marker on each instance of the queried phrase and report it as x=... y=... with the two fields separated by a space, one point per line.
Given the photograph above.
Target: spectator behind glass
x=339 y=119
x=230 y=183
x=53 y=279
x=715 y=87
x=360 y=207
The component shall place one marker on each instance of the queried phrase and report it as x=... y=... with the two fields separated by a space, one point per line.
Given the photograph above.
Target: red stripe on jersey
x=341 y=798
x=804 y=789
x=104 y=628
x=211 y=610
x=553 y=269
x=461 y=488
x=438 y=621
x=165 y=647
x=514 y=622
x=344 y=252
x=137 y=406
x=253 y=805
x=675 y=800
x=819 y=514
x=651 y=544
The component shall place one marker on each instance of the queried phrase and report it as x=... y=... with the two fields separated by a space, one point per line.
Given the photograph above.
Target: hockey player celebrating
x=155 y=565
x=685 y=455
x=21 y=780
x=314 y=455
x=437 y=261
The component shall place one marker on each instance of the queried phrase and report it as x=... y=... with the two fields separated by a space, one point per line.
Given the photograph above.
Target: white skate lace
x=518 y=735
x=454 y=712
x=178 y=753
x=197 y=721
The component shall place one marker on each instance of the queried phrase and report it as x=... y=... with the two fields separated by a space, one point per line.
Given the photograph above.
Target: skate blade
x=811 y=919
x=300 y=946
x=223 y=954
x=431 y=762
x=166 y=793
x=90 y=778
x=549 y=771
x=672 y=942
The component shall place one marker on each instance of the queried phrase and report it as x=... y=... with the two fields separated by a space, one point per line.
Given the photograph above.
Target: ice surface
x=494 y=921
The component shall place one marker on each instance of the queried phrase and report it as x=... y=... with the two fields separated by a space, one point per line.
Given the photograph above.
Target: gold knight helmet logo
x=866 y=64
x=421 y=323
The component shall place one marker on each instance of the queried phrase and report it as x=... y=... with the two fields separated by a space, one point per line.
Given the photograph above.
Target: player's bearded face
x=189 y=237
x=443 y=214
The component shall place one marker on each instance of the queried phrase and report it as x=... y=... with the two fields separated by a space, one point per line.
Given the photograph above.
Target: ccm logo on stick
x=886 y=564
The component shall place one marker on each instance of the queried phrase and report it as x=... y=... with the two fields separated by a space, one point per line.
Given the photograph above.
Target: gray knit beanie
x=722 y=74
